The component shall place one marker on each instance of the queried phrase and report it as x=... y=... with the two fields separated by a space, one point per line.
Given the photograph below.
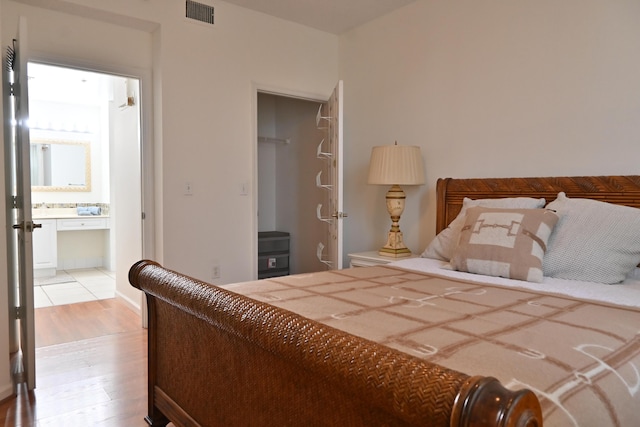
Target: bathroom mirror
x=59 y=165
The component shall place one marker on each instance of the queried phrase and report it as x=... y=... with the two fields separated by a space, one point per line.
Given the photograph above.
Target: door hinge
x=144 y=216
x=14 y=202
x=17 y=313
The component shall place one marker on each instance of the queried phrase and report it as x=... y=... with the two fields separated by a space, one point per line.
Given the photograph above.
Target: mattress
x=575 y=344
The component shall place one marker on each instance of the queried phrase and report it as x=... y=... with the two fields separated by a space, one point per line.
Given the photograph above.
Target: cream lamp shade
x=395 y=165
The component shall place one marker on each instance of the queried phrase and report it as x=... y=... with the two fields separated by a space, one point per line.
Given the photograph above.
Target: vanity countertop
x=60 y=213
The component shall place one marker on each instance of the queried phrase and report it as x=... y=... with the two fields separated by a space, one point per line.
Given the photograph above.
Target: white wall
x=208 y=129
x=126 y=198
x=491 y=88
x=487 y=88
x=203 y=103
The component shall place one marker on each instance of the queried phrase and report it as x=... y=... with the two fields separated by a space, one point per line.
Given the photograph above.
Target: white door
x=17 y=149
x=335 y=135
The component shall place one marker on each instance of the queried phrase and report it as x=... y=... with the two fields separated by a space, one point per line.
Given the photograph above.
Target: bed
x=419 y=342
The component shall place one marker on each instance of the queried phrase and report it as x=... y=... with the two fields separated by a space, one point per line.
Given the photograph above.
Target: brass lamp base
x=395 y=247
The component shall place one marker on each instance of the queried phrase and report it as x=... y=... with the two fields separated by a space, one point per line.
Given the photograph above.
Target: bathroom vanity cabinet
x=45 y=248
x=69 y=242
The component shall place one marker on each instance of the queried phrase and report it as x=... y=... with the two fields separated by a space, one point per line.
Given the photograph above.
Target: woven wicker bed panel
x=329 y=356
x=236 y=381
x=220 y=358
x=624 y=190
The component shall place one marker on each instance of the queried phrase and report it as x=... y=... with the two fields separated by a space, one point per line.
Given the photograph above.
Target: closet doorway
x=91 y=215
x=299 y=184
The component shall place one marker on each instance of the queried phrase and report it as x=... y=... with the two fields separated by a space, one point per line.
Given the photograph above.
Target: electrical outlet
x=215 y=271
x=188 y=189
x=272 y=263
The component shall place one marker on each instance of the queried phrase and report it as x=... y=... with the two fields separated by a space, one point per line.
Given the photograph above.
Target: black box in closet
x=273 y=254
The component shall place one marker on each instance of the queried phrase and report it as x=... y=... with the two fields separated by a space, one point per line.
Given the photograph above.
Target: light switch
x=188 y=189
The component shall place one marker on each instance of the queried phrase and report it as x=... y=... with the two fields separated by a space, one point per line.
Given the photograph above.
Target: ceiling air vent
x=200 y=12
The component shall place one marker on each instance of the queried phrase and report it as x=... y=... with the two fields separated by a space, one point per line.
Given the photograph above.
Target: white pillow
x=443 y=245
x=593 y=241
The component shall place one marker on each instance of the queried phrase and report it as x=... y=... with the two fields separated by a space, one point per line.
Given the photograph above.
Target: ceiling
x=332 y=16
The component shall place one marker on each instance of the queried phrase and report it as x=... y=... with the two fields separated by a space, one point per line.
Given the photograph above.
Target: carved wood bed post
x=441 y=209
x=494 y=405
x=155 y=417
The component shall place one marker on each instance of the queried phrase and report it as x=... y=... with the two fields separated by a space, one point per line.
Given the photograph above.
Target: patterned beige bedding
x=581 y=358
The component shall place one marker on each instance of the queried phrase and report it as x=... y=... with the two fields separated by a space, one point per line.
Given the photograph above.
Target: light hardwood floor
x=91 y=369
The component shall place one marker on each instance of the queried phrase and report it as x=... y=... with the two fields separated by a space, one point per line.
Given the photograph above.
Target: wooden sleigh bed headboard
x=450 y=192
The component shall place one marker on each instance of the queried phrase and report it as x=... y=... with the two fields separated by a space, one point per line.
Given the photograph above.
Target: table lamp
x=395 y=165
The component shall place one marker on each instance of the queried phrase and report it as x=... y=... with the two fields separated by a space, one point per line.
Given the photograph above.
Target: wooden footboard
x=217 y=358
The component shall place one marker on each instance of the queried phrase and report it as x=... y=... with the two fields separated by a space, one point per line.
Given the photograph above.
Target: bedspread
x=580 y=357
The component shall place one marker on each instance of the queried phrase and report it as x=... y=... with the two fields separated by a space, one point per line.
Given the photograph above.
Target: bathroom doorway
x=86 y=173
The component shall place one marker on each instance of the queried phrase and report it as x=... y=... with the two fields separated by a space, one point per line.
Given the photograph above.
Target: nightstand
x=370 y=258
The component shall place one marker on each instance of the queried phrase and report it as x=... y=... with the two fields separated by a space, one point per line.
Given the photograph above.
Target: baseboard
x=44 y=272
x=6 y=392
x=75 y=263
x=135 y=306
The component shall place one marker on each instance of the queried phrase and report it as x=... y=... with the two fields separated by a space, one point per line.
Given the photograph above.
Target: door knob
x=27 y=226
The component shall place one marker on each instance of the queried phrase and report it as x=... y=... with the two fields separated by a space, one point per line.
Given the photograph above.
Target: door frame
x=285 y=93
x=147 y=150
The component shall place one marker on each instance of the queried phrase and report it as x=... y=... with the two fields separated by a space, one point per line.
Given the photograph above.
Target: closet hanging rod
x=276 y=140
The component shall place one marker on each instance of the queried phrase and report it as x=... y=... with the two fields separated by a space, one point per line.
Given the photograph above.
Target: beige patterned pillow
x=504 y=242
x=442 y=246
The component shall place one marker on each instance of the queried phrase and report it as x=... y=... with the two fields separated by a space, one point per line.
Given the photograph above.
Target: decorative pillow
x=442 y=246
x=594 y=241
x=504 y=242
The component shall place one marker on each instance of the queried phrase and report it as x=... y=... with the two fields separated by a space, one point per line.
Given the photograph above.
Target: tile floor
x=72 y=286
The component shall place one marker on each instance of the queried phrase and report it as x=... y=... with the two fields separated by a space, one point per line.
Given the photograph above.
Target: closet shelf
x=274 y=140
